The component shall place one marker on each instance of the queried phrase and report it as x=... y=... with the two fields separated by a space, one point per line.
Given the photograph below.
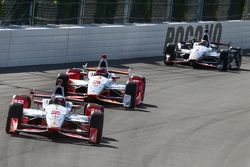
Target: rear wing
x=111 y=70
x=48 y=96
x=223 y=44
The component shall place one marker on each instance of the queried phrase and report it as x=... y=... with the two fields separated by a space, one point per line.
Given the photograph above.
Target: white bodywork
x=198 y=51
x=97 y=84
x=55 y=114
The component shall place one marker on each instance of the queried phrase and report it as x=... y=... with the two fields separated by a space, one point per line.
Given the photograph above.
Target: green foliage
x=141 y=11
x=242 y=7
x=67 y=11
x=180 y=8
x=1 y=8
x=210 y=10
x=105 y=11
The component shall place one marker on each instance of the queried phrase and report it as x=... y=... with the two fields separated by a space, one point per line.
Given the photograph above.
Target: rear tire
x=131 y=89
x=96 y=121
x=63 y=79
x=15 y=111
x=169 y=55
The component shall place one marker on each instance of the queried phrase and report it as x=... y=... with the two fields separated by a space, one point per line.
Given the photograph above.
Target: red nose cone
x=104 y=56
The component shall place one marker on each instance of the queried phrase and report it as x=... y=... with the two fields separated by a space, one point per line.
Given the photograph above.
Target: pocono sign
x=177 y=34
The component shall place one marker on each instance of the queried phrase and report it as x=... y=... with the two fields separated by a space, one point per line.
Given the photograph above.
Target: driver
x=58 y=99
x=101 y=71
x=205 y=38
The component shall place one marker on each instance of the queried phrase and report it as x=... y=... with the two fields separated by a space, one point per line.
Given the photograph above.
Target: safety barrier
x=22 y=46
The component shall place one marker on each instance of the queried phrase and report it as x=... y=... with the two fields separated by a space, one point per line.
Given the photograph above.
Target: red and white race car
x=101 y=83
x=55 y=114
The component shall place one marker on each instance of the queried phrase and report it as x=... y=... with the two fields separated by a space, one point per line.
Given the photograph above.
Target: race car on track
x=55 y=114
x=100 y=84
x=203 y=54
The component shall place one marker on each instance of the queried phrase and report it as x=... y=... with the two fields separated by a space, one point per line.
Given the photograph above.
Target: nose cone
x=55 y=116
x=96 y=85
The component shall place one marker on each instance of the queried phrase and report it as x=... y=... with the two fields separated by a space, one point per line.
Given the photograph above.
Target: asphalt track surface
x=191 y=118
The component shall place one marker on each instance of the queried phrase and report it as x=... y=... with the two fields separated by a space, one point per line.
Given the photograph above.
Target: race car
x=100 y=83
x=55 y=114
x=202 y=54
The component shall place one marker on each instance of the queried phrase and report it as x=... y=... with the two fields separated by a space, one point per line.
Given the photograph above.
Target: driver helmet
x=58 y=99
x=102 y=72
x=204 y=42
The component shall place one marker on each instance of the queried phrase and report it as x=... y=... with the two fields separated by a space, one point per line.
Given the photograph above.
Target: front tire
x=237 y=57
x=223 y=62
x=169 y=55
x=15 y=112
x=131 y=90
x=194 y=64
x=96 y=122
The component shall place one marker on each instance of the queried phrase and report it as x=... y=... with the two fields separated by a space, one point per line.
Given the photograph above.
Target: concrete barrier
x=24 y=46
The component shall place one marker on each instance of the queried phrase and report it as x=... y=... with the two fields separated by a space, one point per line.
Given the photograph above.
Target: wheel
x=223 y=61
x=238 y=61
x=141 y=83
x=169 y=55
x=23 y=99
x=144 y=87
x=63 y=79
x=237 y=57
x=96 y=123
x=92 y=107
x=131 y=90
x=75 y=73
x=15 y=114
x=194 y=64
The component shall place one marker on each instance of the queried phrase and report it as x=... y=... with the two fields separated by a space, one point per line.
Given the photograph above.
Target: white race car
x=55 y=115
x=101 y=84
x=200 y=54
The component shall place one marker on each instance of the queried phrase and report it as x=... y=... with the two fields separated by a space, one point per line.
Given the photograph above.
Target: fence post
x=127 y=9
x=171 y=10
x=81 y=13
x=200 y=10
x=246 y=10
x=32 y=12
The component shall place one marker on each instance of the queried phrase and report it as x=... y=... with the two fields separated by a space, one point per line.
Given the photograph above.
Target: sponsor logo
x=55 y=112
x=94 y=110
x=18 y=101
x=181 y=33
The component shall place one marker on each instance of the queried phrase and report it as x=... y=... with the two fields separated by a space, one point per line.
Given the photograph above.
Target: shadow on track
x=141 y=108
x=112 y=64
x=60 y=139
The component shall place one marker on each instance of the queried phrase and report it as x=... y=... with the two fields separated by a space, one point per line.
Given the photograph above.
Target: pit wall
x=25 y=46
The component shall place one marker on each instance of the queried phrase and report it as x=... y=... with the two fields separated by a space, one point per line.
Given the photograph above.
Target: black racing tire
x=96 y=121
x=224 y=60
x=237 y=57
x=63 y=79
x=15 y=111
x=131 y=89
x=170 y=51
x=78 y=70
x=239 y=61
x=194 y=64
x=144 y=88
x=27 y=98
x=87 y=105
